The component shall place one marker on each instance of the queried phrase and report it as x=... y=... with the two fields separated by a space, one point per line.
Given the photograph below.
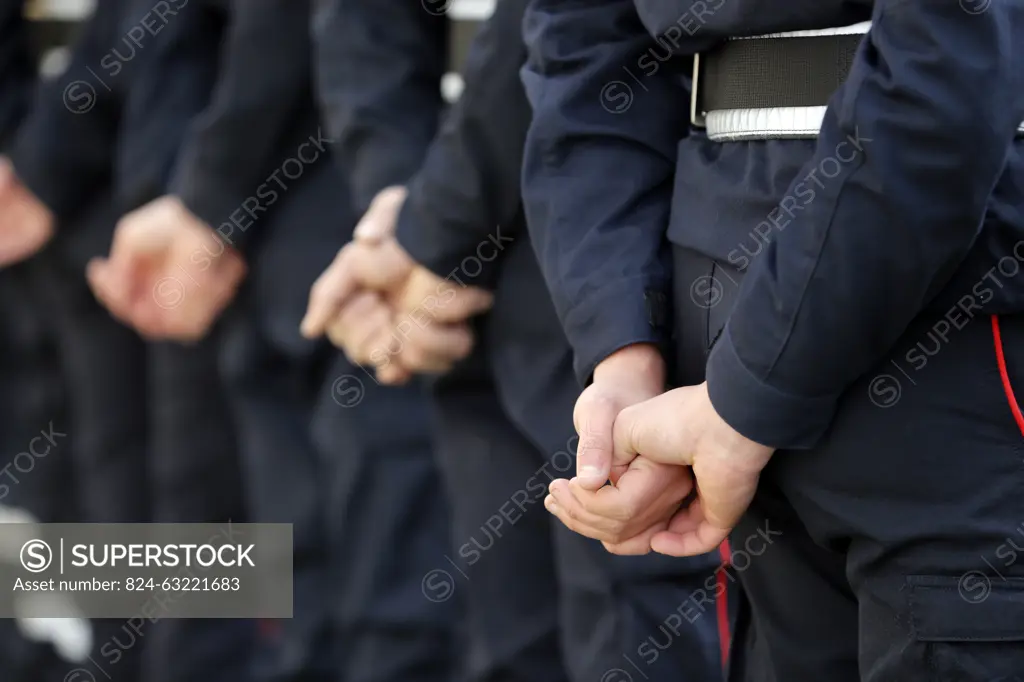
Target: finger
x=609 y=502
x=368 y=344
x=702 y=536
x=435 y=348
x=636 y=490
x=357 y=266
x=638 y=545
x=573 y=507
x=393 y=374
x=594 y=417
x=456 y=304
x=381 y=217
x=362 y=327
x=329 y=294
x=374 y=227
x=572 y=523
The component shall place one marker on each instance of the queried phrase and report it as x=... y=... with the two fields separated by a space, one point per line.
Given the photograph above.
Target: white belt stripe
x=733 y=125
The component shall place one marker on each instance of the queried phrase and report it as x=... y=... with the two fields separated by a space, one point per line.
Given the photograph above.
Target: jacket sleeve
x=379 y=65
x=231 y=155
x=911 y=147
x=62 y=152
x=597 y=174
x=16 y=70
x=171 y=85
x=465 y=199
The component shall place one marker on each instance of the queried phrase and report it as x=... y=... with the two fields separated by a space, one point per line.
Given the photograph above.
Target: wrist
x=637 y=362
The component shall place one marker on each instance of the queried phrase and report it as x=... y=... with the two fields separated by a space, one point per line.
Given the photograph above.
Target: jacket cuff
x=35 y=173
x=621 y=317
x=443 y=250
x=380 y=167
x=217 y=206
x=759 y=411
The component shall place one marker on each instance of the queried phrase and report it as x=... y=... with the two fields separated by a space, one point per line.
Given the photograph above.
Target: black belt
x=762 y=73
x=773 y=72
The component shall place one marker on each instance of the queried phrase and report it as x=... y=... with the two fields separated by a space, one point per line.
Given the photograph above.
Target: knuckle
x=594 y=402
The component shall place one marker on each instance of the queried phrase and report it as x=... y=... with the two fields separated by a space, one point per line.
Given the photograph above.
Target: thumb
x=375 y=226
x=467 y=302
x=655 y=430
x=383 y=267
x=140 y=238
x=380 y=219
x=328 y=295
x=594 y=416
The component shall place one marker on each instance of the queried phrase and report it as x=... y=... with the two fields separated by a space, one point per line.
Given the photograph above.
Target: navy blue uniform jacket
x=16 y=70
x=380 y=66
x=261 y=115
x=202 y=98
x=926 y=200
x=113 y=120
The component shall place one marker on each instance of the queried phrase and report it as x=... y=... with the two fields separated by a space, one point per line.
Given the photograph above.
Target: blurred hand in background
x=169 y=275
x=26 y=224
x=386 y=311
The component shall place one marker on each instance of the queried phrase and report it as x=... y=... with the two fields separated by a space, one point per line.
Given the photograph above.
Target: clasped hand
x=26 y=224
x=386 y=311
x=680 y=476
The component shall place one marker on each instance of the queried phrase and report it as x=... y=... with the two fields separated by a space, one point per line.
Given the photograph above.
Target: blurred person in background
x=442 y=238
x=256 y=207
x=31 y=390
x=153 y=440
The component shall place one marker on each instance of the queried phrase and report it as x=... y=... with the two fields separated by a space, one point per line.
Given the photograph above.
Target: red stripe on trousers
x=722 y=603
x=997 y=337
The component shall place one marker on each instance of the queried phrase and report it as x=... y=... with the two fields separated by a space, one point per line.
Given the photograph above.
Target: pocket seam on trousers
x=941 y=612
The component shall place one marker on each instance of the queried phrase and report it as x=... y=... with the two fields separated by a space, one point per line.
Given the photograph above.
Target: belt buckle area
x=697 y=117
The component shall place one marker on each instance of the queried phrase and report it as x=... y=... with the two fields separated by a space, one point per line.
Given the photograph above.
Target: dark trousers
x=347 y=462
x=274 y=378
x=387 y=520
x=151 y=440
x=542 y=602
x=272 y=396
x=34 y=476
x=893 y=551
